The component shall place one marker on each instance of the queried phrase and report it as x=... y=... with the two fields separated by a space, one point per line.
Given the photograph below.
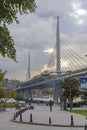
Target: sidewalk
x=41 y=115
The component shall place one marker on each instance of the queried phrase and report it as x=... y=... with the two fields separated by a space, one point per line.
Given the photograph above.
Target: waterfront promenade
x=41 y=114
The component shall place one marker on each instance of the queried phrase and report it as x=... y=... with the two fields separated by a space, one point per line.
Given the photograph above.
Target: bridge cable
x=75 y=55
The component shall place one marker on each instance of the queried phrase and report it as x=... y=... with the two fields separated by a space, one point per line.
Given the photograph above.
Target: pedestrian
x=50 y=105
x=17 y=104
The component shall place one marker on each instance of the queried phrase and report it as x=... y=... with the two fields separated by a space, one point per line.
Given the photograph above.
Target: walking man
x=50 y=105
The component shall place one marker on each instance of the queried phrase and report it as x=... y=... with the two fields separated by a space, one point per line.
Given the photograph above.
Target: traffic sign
x=83 y=83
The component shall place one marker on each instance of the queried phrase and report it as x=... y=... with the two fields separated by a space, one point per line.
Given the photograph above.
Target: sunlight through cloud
x=50 y=50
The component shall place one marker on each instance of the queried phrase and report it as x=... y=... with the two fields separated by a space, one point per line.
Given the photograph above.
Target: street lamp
x=70 y=95
x=69 y=72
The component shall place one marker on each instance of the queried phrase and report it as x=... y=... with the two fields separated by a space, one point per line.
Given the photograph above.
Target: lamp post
x=70 y=89
x=70 y=95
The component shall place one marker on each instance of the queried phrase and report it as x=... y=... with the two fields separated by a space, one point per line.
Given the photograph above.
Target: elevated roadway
x=52 y=82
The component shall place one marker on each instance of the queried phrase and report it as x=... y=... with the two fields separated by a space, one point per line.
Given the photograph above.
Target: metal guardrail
x=19 y=112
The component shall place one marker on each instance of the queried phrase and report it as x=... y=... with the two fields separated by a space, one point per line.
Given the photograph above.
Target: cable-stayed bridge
x=64 y=62
x=48 y=81
x=70 y=60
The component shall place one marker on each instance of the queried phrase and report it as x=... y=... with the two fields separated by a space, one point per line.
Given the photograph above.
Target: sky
x=36 y=34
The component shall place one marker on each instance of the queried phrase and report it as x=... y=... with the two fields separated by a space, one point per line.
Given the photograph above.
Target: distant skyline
x=36 y=34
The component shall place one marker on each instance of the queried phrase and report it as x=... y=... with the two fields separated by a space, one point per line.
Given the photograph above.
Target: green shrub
x=78 y=104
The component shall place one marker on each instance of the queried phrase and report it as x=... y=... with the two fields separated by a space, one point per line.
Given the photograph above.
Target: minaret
x=58 y=48
x=28 y=73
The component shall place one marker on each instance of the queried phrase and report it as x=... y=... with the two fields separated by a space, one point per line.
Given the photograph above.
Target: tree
x=84 y=95
x=6 y=93
x=2 y=74
x=18 y=97
x=70 y=84
x=8 y=13
x=13 y=93
x=1 y=92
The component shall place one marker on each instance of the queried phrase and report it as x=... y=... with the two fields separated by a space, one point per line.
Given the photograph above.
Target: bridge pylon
x=58 y=48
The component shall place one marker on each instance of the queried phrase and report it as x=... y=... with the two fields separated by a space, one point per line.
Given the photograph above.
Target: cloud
x=37 y=32
x=48 y=8
x=49 y=50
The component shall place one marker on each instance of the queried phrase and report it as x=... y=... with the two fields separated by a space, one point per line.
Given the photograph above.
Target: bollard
x=49 y=120
x=72 y=120
x=14 y=116
x=20 y=116
x=85 y=124
x=31 y=117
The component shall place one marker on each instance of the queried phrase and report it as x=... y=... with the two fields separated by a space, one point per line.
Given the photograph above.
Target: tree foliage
x=84 y=94
x=6 y=43
x=18 y=97
x=1 y=92
x=8 y=13
x=70 y=83
x=13 y=93
x=5 y=93
x=2 y=74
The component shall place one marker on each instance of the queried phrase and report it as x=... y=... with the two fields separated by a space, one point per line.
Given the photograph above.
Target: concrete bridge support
x=21 y=93
x=30 y=94
x=26 y=93
x=58 y=91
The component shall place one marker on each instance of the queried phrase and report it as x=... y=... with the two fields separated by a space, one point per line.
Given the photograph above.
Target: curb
x=43 y=124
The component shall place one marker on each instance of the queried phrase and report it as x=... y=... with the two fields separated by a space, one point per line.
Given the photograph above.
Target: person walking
x=50 y=105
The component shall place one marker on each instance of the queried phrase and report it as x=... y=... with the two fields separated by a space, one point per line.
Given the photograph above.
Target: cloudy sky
x=36 y=34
